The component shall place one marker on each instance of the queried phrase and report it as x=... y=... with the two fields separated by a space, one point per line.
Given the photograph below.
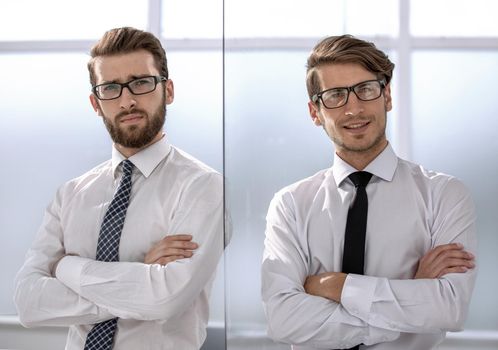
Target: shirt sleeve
x=40 y=298
x=294 y=316
x=422 y=305
x=132 y=290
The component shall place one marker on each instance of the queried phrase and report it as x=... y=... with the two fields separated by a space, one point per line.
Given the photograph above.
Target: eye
x=336 y=94
x=109 y=87
x=142 y=82
x=368 y=88
x=365 y=88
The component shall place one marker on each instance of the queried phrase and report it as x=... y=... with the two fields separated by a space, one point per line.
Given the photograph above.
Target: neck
x=129 y=151
x=360 y=159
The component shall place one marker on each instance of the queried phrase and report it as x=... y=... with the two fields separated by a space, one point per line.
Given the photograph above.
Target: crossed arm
x=334 y=310
x=442 y=260
x=55 y=289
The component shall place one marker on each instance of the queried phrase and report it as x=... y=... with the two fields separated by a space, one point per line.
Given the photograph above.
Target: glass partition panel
x=180 y=21
x=454 y=131
x=270 y=139
x=454 y=18
x=51 y=133
x=270 y=142
x=317 y=18
x=195 y=120
x=68 y=20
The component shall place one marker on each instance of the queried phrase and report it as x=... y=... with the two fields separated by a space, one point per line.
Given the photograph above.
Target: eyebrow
x=130 y=78
x=354 y=85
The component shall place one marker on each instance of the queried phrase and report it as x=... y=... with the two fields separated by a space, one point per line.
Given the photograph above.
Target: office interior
x=241 y=107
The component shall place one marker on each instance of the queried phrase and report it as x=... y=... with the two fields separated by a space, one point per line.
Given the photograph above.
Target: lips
x=357 y=126
x=130 y=118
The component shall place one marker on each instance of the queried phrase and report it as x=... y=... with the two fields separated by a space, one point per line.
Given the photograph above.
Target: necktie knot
x=360 y=178
x=127 y=167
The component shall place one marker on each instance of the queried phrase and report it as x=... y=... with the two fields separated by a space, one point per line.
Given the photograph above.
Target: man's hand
x=171 y=248
x=327 y=285
x=444 y=259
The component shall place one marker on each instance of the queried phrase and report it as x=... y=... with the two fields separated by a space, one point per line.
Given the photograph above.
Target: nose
x=127 y=99
x=354 y=106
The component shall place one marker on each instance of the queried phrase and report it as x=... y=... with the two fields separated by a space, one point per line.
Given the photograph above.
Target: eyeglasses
x=337 y=97
x=140 y=86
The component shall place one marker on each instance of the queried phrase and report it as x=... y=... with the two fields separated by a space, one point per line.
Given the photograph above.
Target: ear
x=388 y=102
x=314 y=113
x=169 y=91
x=95 y=105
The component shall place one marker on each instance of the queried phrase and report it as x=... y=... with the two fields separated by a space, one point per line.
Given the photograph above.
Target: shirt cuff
x=358 y=295
x=69 y=271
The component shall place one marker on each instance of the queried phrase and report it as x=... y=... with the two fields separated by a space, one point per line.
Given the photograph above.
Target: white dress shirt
x=411 y=210
x=159 y=307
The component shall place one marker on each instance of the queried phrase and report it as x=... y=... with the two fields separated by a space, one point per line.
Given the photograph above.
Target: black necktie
x=356 y=226
x=101 y=336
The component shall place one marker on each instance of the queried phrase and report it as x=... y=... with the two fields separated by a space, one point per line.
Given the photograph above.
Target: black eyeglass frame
x=157 y=79
x=349 y=89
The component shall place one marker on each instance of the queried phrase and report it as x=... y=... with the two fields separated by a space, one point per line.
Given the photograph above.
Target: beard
x=134 y=136
x=378 y=139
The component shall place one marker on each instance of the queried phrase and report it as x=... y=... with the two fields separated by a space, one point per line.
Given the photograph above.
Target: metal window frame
x=403 y=45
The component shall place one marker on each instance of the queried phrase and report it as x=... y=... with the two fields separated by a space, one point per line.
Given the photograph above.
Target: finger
x=441 y=249
x=166 y=260
x=448 y=263
x=173 y=252
x=176 y=244
x=457 y=253
x=179 y=241
x=166 y=252
x=432 y=255
x=178 y=237
x=438 y=270
x=456 y=269
x=451 y=256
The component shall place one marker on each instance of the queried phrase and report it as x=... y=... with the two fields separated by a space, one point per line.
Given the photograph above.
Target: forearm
x=298 y=318
x=414 y=306
x=133 y=290
x=44 y=301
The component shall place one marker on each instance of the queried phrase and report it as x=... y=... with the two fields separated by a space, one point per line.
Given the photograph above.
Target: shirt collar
x=383 y=166
x=145 y=160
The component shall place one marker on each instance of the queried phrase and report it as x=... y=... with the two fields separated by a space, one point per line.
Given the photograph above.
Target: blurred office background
x=240 y=106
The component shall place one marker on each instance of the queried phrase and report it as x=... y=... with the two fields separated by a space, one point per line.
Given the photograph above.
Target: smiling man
x=127 y=252
x=375 y=252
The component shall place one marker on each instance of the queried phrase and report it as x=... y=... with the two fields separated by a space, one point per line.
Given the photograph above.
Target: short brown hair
x=125 y=40
x=346 y=49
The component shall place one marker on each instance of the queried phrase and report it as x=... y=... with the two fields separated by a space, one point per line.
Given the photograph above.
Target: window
x=244 y=111
x=22 y=20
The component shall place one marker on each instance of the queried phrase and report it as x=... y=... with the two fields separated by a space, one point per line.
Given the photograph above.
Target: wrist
x=337 y=285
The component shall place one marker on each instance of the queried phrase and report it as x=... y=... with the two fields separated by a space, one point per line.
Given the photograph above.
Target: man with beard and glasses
x=375 y=252
x=127 y=252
